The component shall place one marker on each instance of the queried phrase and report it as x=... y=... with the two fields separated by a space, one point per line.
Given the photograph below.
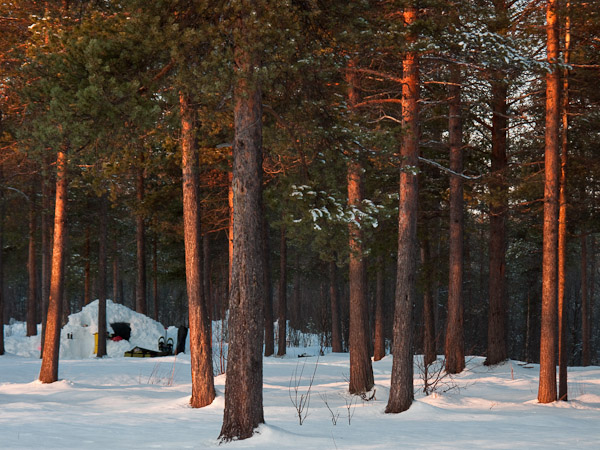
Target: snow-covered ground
x=119 y=402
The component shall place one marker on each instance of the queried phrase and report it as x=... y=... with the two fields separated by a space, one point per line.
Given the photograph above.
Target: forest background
x=119 y=88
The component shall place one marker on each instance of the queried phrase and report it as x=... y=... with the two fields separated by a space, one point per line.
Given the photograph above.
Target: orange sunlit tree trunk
x=547 y=382
x=49 y=369
x=401 y=385
x=203 y=390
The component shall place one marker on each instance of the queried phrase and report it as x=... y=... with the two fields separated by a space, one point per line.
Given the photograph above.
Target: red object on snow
x=117 y=338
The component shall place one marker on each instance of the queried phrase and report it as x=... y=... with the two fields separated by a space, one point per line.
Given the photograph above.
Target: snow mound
x=77 y=337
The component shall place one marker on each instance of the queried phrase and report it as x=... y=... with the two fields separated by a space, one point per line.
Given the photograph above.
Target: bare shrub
x=301 y=401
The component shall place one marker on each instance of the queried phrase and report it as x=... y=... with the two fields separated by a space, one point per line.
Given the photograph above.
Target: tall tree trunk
x=455 y=341
x=496 y=345
x=269 y=331
x=32 y=297
x=206 y=271
x=336 y=323
x=361 y=370
x=401 y=385
x=243 y=387
x=296 y=317
x=547 y=386
x=429 y=347
x=140 y=239
x=563 y=357
x=102 y=238
x=49 y=369
x=496 y=348
x=155 y=278
x=379 y=344
x=585 y=314
x=115 y=273
x=592 y=293
x=87 y=289
x=282 y=299
x=203 y=390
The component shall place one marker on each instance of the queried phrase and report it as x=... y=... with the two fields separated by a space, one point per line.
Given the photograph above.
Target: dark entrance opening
x=121 y=329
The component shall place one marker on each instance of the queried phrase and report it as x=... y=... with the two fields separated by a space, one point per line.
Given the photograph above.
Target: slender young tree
x=87 y=269
x=336 y=323
x=102 y=238
x=282 y=299
x=269 y=329
x=401 y=385
x=203 y=390
x=49 y=369
x=140 y=239
x=379 y=337
x=547 y=382
x=455 y=342
x=243 y=387
x=32 y=297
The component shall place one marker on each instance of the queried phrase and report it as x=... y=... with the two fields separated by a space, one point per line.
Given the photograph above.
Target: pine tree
x=401 y=385
x=547 y=385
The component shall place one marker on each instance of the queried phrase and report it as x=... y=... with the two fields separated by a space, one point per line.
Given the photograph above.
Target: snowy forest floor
x=143 y=403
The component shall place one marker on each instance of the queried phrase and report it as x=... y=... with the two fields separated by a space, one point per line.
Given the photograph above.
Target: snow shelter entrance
x=121 y=329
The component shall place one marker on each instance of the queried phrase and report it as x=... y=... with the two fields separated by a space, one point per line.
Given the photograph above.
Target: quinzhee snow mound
x=77 y=336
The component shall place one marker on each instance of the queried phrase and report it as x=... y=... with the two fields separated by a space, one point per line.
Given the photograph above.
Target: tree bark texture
x=269 y=330
x=455 y=341
x=102 y=263
x=496 y=348
x=243 y=387
x=336 y=323
x=282 y=299
x=203 y=390
x=49 y=369
x=379 y=344
x=401 y=385
x=32 y=297
x=140 y=239
x=547 y=384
